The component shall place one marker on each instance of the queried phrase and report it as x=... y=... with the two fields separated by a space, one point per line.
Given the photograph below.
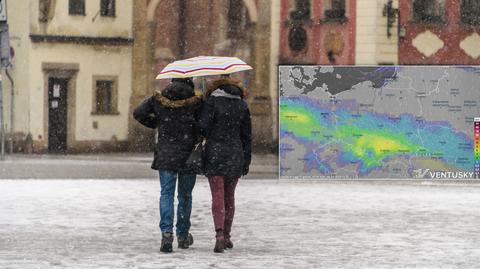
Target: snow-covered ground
x=279 y=224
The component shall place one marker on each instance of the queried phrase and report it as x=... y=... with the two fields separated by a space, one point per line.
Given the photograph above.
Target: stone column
x=260 y=96
x=139 y=137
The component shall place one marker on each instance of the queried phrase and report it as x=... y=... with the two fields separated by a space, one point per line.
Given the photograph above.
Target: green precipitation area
x=367 y=137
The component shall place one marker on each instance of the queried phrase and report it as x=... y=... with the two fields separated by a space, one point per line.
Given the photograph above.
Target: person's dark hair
x=187 y=81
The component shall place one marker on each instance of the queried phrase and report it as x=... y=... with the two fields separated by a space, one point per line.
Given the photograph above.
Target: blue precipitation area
x=367 y=138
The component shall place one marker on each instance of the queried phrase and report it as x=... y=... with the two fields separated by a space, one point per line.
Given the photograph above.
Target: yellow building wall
x=372 y=44
x=387 y=48
x=92 y=24
x=93 y=60
x=20 y=41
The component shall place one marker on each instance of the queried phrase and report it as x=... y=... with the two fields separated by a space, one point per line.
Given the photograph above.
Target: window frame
x=295 y=11
x=114 y=95
x=440 y=20
x=329 y=19
x=468 y=21
x=106 y=14
x=73 y=12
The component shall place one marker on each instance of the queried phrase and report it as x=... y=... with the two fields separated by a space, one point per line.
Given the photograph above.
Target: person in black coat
x=226 y=125
x=174 y=112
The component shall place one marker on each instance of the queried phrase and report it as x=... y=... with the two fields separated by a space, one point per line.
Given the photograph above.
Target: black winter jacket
x=225 y=123
x=174 y=112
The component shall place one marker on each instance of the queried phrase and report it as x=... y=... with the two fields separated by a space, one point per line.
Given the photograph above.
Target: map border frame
x=341 y=178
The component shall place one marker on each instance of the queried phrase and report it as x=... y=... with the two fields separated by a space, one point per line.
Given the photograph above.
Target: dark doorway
x=57 y=115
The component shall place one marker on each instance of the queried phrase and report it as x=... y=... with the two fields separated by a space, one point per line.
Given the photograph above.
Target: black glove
x=245 y=170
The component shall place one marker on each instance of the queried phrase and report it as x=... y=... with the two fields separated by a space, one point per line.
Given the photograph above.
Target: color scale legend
x=477 y=147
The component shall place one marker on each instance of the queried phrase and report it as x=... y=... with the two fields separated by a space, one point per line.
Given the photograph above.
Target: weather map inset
x=377 y=121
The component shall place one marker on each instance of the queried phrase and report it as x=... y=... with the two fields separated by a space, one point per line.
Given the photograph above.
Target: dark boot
x=219 y=245
x=228 y=243
x=220 y=242
x=167 y=241
x=185 y=241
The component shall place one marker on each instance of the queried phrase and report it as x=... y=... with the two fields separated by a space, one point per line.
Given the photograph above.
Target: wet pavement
x=105 y=166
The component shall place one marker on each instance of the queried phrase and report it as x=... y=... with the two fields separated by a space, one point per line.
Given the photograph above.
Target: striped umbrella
x=203 y=66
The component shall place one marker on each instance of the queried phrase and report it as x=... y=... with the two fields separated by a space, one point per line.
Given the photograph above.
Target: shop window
x=301 y=11
x=76 y=7
x=334 y=10
x=107 y=8
x=470 y=12
x=429 y=11
x=105 y=96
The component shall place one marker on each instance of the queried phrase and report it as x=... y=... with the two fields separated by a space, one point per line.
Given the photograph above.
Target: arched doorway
x=225 y=28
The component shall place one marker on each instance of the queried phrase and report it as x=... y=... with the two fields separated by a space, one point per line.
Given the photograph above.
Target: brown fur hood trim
x=177 y=103
x=224 y=81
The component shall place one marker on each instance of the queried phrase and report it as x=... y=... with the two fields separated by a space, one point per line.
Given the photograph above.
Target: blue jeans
x=186 y=182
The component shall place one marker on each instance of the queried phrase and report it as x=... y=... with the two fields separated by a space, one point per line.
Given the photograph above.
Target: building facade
x=440 y=32
x=376 y=32
x=82 y=66
x=338 y=32
x=73 y=74
x=182 y=29
x=318 y=31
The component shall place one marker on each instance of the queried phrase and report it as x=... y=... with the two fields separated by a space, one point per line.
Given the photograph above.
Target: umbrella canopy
x=203 y=66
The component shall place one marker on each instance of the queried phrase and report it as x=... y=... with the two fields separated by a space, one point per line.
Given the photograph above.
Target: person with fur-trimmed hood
x=174 y=112
x=225 y=123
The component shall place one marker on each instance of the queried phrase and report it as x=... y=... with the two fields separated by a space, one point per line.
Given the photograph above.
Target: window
x=301 y=11
x=105 y=96
x=297 y=38
x=429 y=11
x=107 y=8
x=470 y=12
x=334 y=10
x=237 y=19
x=76 y=7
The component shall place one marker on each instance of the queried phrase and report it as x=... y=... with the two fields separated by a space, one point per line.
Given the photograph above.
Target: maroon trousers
x=223 y=203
